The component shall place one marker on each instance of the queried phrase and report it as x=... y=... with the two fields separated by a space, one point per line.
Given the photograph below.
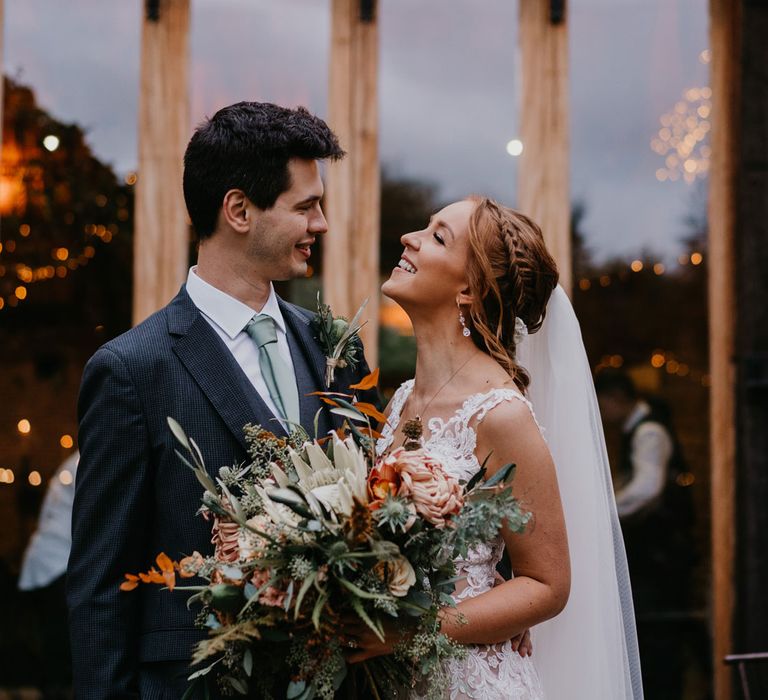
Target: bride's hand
x=522 y=643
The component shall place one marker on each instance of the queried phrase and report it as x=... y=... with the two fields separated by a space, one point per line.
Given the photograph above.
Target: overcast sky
x=449 y=88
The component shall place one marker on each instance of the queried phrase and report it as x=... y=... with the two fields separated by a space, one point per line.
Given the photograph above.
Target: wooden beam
x=725 y=81
x=351 y=246
x=161 y=230
x=543 y=181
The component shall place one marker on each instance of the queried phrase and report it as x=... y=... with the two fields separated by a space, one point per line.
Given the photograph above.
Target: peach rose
x=401 y=577
x=415 y=474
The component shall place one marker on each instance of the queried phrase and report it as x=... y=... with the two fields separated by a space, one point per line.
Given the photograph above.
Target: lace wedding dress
x=489 y=671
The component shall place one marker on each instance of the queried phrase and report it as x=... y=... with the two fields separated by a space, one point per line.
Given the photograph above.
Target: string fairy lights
x=683 y=136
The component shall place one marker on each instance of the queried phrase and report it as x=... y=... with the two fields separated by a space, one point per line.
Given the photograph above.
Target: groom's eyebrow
x=309 y=200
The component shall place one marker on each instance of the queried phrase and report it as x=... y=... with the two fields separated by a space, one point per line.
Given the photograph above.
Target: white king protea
x=334 y=482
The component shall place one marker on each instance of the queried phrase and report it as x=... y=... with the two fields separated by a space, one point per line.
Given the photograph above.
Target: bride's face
x=432 y=269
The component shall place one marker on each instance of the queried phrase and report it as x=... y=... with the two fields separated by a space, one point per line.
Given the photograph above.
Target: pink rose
x=436 y=496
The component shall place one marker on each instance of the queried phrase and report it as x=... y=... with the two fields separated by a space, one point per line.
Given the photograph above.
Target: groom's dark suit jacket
x=135 y=498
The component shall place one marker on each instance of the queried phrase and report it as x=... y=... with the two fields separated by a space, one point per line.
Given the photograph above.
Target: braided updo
x=511 y=275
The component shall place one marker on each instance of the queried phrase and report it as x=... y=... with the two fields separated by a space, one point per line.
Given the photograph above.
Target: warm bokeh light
x=66 y=441
x=515 y=147
x=392 y=316
x=65 y=477
x=658 y=359
x=7 y=476
x=24 y=230
x=24 y=426
x=605 y=280
x=636 y=265
x=696 y=258
x=130 y=179
x=20 y=292
x=61 y=253
x=584 y=284
x=51 y=142
x=659 y=268
x=34 y=478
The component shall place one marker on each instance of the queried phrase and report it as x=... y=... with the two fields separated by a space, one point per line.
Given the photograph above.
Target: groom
x=225 y=352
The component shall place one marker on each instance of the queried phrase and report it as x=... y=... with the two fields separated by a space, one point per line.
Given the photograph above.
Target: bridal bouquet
x=317 y=534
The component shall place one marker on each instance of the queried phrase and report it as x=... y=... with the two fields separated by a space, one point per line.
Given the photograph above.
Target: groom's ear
x=234 y=209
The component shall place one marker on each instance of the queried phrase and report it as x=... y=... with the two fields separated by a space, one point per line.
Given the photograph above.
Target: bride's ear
x=234 y=209
x=464 y=297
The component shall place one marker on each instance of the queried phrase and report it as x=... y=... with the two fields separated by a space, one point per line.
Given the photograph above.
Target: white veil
x=590 y=649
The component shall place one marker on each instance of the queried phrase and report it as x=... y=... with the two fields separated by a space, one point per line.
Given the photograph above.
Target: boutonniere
x=336 y=335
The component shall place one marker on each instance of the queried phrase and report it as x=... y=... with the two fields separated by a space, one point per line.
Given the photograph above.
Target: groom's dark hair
x=247 y=146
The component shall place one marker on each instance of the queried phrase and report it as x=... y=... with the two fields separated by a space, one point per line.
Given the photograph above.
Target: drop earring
x=465 y=331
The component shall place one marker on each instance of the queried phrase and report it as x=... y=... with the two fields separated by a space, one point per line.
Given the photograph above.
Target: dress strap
x=393 y=419
x=477 y=406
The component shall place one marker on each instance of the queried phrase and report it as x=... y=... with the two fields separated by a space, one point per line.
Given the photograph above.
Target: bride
x=475 y=283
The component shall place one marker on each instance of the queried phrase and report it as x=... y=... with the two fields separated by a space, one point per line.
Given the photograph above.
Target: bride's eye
x=439 y=238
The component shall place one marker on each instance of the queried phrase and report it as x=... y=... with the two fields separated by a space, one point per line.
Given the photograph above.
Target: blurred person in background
x=42 y=579
x=656 y=511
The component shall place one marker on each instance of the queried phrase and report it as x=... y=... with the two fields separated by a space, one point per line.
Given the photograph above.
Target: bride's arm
x=539 y=556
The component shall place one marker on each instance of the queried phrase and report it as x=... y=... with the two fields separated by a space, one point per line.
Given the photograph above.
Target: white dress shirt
x=228 y=317
x=651 y=450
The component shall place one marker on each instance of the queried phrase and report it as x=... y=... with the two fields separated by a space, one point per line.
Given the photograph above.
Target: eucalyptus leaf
x=501 y=476
x=480 y=474
x=248 y=662
x=238 y=685
x=295 y=689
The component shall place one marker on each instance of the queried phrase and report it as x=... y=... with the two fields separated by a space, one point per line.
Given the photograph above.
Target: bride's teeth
x=405 y=265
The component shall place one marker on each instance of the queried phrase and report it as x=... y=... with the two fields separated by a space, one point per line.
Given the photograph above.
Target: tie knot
x=262 y=329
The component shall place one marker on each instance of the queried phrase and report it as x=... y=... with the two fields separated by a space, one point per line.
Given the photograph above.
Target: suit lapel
x=215 y=371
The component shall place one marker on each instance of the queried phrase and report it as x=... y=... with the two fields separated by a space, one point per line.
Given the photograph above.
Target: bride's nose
x=410 y=240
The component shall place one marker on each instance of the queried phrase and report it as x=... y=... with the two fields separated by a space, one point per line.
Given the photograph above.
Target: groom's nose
x=317 y=222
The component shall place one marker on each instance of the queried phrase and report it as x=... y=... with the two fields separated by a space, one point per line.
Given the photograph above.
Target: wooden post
x=351 y=246
x=161 y=231
x=725 y=72
x=543 y=180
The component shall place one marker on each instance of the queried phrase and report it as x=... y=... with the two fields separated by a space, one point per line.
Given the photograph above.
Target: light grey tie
x=276 y=372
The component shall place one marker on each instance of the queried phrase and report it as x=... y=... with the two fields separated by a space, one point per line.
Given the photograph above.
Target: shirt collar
x=230 y=314
x=640 y=411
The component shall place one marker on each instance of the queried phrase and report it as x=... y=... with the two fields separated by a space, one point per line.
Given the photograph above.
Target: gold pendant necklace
x=413 y=428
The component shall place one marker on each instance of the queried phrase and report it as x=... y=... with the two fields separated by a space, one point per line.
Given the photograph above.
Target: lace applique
x=490 y=671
